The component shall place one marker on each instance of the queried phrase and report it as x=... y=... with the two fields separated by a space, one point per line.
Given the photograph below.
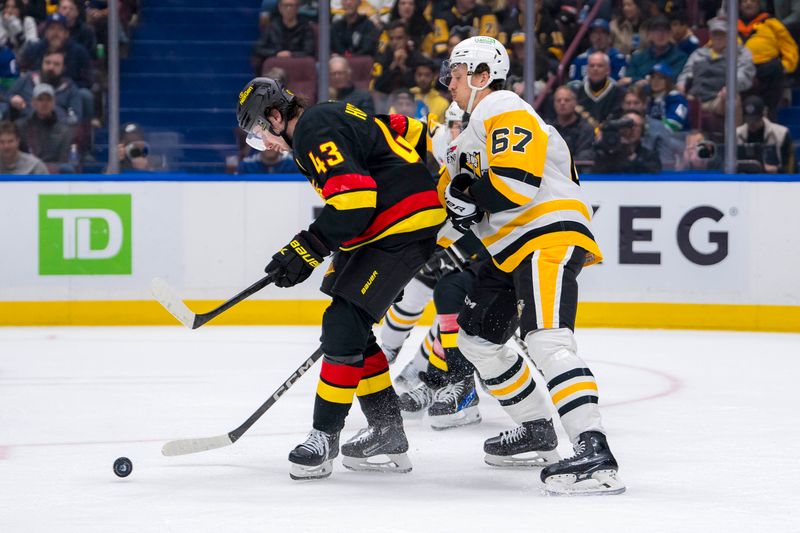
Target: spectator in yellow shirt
x=773 y=48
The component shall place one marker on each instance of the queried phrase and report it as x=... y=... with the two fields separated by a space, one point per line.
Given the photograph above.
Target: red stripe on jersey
x=375 y=364
x=347 y=182
x=405 y=207
x=398 y=123
x=341 y=375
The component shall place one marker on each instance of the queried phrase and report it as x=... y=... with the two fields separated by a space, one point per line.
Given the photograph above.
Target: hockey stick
x=169 y=298
x=186 y=446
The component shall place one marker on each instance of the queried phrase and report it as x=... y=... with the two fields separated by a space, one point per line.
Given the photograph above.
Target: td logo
x=84 y=234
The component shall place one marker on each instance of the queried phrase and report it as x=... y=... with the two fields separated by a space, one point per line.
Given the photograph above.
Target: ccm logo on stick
x=628 y=235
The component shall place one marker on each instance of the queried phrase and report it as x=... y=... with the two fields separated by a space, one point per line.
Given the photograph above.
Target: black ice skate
x=454 y=405
x=414 y=402
x=313 y=459
x=532 y=444
x=377 y=449
x=592 y=470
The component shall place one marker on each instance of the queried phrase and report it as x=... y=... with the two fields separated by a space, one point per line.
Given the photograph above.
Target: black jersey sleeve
x=334 y=158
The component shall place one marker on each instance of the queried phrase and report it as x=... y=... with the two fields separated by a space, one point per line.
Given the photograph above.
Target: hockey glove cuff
x=461 y=208
x=295 y=262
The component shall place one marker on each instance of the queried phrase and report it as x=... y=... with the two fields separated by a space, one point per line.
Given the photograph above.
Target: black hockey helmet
x=257 y=98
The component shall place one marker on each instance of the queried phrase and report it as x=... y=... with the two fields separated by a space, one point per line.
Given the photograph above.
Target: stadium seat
x=301 y=73
x=362 y=70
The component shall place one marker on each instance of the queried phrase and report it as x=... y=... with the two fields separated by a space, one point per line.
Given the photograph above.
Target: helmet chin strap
x=473 y=93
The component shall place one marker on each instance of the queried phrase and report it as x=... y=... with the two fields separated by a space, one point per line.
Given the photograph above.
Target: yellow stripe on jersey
x=335 y=394
x=557 y=238
x=398 y=144
x=572 y=389
x=353 y=200
x=501 y=187
x=444 y=181
x=534 y=213
x=424 y=219
x=374 y=384
x=514 y=386
x=548 y=266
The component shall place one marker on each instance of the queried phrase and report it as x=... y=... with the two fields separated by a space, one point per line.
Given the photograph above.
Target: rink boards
x=705 y=251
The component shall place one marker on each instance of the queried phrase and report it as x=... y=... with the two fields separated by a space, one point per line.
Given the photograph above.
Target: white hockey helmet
x=476 y=51
x=453 y=113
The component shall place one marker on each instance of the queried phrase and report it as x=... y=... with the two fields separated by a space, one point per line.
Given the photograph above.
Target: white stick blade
x=187 y=446
x=169 y=298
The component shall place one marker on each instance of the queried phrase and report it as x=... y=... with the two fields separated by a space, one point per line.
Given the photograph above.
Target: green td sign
x=84 y=234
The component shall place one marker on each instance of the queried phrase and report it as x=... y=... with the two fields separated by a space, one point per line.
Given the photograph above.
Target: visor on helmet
x=254 y=135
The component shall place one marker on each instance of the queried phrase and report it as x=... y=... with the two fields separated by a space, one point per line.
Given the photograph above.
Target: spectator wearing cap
x=287 y=35
x=577 y=133
x=43 y=133
x=12 y=160
x=394 y=67
x=424 y=90
x=79 y=31
x=704 y=75
x=67 y=95
x=78 y=65
x=133 y=151
x=600 y=37
x=462 y=17
x=774 y=50
x=682 y=34
x=667 y=104
x=774 y=140
x=625 y=26
x=353 y=33
x=599 y=96
x=16 y=29
x=660 y=50
x=342 y=88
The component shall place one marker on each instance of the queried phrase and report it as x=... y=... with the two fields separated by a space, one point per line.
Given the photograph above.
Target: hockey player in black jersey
x=380 y=220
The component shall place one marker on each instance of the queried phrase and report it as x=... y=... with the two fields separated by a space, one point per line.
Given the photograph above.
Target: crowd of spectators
x=53 y=79
x=643 y=90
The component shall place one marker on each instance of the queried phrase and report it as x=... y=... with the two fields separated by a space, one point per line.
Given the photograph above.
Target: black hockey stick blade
x=172 y=302
x=187 y=446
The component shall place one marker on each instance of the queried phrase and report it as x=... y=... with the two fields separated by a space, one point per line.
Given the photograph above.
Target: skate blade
x=302 y=472
x=390 y=463
x=601 y=483
x=465 y=417
x=523 y=460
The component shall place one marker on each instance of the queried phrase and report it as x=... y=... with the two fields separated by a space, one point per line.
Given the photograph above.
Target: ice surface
x=704 y=425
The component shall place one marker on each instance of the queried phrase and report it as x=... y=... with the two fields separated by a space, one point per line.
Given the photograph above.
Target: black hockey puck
x=123 y=467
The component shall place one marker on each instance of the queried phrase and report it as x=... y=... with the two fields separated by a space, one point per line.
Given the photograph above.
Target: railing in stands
x=568 y=55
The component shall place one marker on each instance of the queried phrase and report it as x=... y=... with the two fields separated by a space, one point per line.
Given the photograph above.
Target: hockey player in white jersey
x=514 y=183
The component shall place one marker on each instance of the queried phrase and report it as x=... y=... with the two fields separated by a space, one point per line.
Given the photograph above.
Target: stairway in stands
x=188 y=60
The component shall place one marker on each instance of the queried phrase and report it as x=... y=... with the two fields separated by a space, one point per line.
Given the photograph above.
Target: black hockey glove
x=461 y=208
x=297 y=260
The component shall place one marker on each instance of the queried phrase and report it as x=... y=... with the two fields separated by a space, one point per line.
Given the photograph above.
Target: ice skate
x=454 y=405
x=377 y=449
x=408 y=378
x=414 y=402
x=592 y=470
x=533 y=444
x=313 y=459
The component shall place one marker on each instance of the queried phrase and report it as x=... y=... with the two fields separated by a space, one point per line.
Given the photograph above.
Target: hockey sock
x=375 y=393
x=402 y=316
x=458 y=367
x=572 y=386
x=335 y=390
x=507 y=377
